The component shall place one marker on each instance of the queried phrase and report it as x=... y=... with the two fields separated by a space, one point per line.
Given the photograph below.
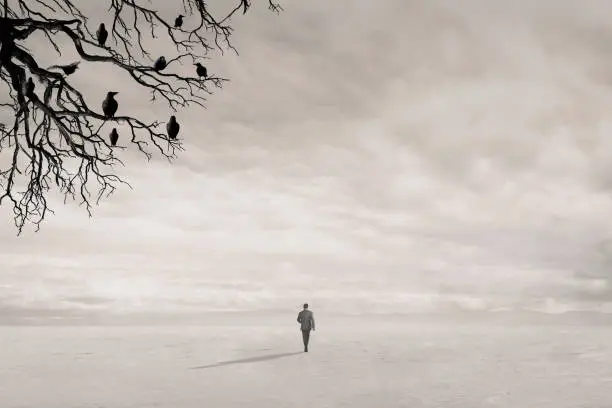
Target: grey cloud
x=403 y=154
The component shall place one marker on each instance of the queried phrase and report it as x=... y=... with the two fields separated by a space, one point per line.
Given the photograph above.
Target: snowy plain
x=359 y=363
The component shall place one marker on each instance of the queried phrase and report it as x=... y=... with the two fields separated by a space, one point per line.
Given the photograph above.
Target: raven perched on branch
x=50 y=136
x=68 y=69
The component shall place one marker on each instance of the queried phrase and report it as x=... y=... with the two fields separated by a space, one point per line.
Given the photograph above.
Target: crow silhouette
x=160 y=64
x=201 y=70
x=172 y=127
x=110 y=105
x=178 y=22
x=68 y=69
x=102 y=35
x=114 y=137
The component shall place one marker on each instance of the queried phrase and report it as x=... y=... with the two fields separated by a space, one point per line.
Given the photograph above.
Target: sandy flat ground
x=369 y=364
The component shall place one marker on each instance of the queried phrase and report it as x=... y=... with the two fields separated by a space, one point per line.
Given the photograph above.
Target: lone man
x=307 y=323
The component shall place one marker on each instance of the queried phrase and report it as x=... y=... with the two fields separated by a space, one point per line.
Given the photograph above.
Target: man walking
x=306 y=320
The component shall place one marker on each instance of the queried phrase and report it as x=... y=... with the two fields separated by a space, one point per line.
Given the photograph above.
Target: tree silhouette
x=55 y=139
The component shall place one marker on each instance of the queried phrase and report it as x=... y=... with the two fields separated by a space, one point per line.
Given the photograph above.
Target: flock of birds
x=159 y=65
x=109 y=108
x=110 y=104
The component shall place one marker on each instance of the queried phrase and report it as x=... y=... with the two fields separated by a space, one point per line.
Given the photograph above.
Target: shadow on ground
x=247 y=360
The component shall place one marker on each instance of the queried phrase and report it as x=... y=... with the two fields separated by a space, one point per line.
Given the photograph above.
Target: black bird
x=245 y=6
x=172 y=127
x=201 y=70
x=29 y=88
x=102 y=35
x=178 y=22
x=68 y=69
x=110 y=105
x=114 y=137
x=160 y=64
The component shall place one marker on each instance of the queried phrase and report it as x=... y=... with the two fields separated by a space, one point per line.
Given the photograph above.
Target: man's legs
x=306 y=338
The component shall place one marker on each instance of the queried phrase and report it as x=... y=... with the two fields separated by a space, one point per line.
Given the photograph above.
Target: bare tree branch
x=54 y=141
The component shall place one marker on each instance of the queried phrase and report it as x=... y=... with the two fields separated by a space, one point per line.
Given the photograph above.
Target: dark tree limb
x=54 y=140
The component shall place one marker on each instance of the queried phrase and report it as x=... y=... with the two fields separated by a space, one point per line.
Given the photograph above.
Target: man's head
x=305 y=305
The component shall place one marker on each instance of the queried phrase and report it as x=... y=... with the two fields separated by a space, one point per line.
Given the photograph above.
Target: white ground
x=373 y=365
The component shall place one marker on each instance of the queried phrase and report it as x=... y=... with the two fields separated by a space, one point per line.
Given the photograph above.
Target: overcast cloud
x=367 y=156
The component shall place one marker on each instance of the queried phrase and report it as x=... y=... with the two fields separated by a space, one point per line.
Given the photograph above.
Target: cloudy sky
x=398 y=155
